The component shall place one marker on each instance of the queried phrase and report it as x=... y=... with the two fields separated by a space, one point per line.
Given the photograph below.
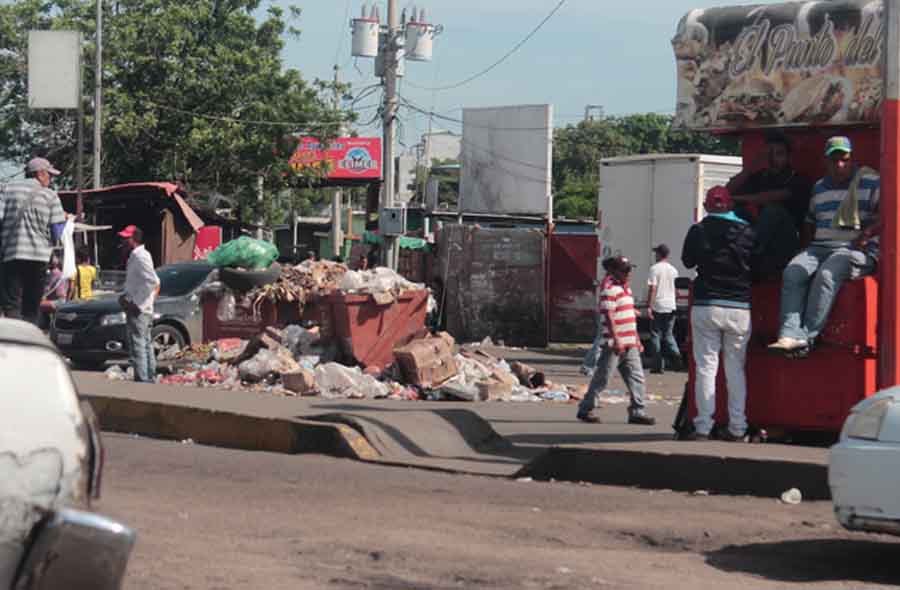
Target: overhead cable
x=499 y=61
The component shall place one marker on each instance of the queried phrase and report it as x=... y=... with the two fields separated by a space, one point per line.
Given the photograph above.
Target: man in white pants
x=720 y=248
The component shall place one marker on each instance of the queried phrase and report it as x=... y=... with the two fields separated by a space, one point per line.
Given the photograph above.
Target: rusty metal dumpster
x=368 y=331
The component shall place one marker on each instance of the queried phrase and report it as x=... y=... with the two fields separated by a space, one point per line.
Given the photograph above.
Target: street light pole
x=337 y=236
x=889 y=296
x=98 y=97
x=392 y=64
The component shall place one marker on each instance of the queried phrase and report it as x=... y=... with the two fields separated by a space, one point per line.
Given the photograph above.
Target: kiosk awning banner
x=780 y=65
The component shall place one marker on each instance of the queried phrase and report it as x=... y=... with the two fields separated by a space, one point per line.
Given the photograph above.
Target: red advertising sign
x=209 y=237
x=346 y=158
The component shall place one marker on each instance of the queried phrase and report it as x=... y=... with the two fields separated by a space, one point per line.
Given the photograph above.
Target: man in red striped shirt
x=621 y=346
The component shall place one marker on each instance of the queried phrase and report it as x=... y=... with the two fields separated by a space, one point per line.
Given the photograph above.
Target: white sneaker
x=787 y=344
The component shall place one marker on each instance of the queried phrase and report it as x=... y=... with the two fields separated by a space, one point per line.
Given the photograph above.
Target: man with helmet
x=620 y=345
x=720 y=248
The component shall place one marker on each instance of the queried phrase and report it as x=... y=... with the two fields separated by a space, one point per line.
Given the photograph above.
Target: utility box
x=652 y=199
x=392 y=221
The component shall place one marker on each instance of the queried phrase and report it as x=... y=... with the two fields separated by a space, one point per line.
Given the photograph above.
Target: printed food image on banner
x=345 y=158
x=774 y=65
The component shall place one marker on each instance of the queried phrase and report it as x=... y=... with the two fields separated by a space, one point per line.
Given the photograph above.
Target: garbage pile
x=298 y=284
x=297 y=361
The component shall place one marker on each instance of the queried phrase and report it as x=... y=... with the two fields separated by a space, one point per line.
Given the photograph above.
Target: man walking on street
x=33 y=220
x=141 y=288
x=720 y=248
x=621 y=348
x=661 y=309
x=844 y=223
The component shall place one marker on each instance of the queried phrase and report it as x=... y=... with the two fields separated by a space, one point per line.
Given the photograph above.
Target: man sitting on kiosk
x=774 y=198
x=844 y=221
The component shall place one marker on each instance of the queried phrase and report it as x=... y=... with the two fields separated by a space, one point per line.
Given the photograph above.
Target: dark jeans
x=662 y=336
x=22 y=289
x=777 y=240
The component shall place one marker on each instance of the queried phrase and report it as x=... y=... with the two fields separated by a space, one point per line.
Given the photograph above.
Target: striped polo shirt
x=28 y=212
x=617 y=309
x=826 y=200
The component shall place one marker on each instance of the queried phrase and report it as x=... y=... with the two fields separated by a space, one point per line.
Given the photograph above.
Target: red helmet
x=718 y=199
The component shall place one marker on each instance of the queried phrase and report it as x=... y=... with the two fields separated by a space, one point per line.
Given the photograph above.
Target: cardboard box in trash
x=428 y=362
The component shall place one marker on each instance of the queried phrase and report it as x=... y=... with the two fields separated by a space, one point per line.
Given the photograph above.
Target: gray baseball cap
x=41 y=165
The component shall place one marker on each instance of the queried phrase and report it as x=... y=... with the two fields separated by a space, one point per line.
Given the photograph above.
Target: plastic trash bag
x=244 y=252
x=260 y=367
x=336 y=381
x=227 y=308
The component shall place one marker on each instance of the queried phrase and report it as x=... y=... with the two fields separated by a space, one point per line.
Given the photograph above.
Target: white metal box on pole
x=365 y=37
x=654 y=199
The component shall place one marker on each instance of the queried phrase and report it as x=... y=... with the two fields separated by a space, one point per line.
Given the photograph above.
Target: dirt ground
x=215 y=519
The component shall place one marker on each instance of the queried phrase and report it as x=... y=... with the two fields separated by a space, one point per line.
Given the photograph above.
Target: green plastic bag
x=244 y=252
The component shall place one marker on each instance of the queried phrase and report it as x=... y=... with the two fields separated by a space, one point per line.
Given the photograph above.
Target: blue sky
x=613 y=53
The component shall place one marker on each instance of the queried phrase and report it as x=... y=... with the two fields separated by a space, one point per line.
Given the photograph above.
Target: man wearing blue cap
x=844 y=222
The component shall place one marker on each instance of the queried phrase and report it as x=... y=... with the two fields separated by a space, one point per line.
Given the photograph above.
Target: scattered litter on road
x=563 y=571
x=700 y=493
x=525 y=479
x=792 y=496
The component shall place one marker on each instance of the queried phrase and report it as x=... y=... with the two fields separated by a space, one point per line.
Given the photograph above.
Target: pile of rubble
x=296 y=361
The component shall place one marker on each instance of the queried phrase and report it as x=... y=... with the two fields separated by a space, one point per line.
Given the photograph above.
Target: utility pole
x=392 y=64
x=337 y=236
x=98 y=97
x=889 y=285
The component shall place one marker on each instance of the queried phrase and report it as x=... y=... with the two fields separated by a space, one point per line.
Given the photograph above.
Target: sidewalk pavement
x=541 y=441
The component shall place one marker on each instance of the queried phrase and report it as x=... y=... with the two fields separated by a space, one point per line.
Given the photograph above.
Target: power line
x=419 y=109
x=292 y=124
x=499 y=61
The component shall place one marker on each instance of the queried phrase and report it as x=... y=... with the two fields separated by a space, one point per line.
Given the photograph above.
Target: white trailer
x=652 y=199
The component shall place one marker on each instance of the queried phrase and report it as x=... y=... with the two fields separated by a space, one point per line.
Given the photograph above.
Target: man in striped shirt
x=844 y=223
x=33 y=220
x=621 y=347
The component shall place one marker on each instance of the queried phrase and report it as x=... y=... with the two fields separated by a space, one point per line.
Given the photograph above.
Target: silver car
x=50 y=462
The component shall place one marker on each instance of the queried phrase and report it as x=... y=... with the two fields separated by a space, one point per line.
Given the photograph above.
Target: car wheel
x=165 y=337
x=241 y=280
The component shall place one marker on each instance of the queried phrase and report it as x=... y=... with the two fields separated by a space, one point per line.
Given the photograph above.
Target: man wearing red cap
x=141 y=288
x=620 y=346
x=720 y=248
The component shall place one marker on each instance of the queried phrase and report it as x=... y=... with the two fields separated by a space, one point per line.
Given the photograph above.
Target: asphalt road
x=214 y=519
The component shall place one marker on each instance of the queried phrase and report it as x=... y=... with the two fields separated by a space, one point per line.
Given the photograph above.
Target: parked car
x=51 y=458
x=864 y=467
x=93 y=332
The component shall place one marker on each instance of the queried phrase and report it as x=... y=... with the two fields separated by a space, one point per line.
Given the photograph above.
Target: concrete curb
x=681 y=472
x=229 y=430
x=346 y=436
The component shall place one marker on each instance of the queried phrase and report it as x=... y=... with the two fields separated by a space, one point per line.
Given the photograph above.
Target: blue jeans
x=140 y=347
x=632 y=371
x=811 y=283
x=662 y=336
x=590 y=359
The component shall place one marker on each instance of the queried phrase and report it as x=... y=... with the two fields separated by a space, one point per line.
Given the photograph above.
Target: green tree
x=578 y=149
x=193 y=89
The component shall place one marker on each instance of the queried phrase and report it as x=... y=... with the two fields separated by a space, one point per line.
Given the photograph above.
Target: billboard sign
x=345 y=158
x=780 y=65
x=507 y=160
x=54 y=69
x=208 y=238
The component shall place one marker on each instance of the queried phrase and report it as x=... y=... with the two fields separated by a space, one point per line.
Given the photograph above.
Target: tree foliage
x=578 y=149
x=194 y=90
